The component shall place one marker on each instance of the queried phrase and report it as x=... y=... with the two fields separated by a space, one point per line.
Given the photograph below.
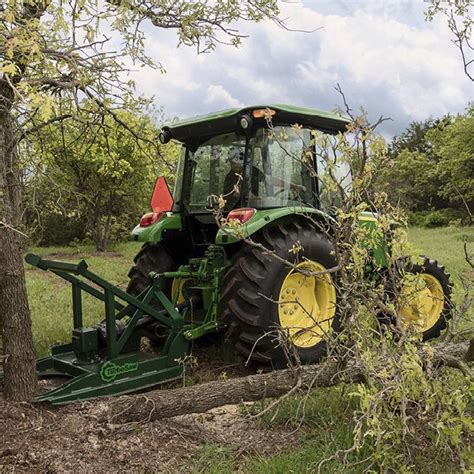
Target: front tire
x=150 y=258
x=425 y=292
x=264 y=298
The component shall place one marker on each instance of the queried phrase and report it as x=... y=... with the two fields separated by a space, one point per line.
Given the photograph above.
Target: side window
x=201 y=160
x=288 y=149
x=219 y=168
x=209 y=165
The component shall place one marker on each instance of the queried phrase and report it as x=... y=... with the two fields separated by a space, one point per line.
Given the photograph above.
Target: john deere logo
x=110 y=370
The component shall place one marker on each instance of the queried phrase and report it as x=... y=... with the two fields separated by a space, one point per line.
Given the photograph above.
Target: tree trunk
x=97 y=227
x=19 y=364
x=20 y=358
x=161 y=404
x=107 y=231
x=103 y=232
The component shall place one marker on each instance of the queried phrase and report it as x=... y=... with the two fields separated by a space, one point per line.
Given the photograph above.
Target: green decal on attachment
x=110 y=370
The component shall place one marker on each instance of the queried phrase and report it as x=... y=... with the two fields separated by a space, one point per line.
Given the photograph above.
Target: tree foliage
x=414 y=137
x=458 y=14
x=431 y=165
x=453 y=142
x=94 y=180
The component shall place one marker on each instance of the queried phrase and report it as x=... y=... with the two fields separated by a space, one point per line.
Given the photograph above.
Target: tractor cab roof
x=228 y=120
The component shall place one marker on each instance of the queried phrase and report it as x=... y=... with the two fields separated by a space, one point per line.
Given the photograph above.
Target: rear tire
x=251 y=294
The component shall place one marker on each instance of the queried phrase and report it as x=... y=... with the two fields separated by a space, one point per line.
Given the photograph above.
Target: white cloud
x=216 y=95
x=388 y=59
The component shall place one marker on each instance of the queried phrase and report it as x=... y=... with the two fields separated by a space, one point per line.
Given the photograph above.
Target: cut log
x=160 y=404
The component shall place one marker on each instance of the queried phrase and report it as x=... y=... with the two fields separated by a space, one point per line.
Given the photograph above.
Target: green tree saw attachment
x=107 y=360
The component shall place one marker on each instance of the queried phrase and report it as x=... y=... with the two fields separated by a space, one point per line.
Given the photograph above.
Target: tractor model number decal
x=110 y=370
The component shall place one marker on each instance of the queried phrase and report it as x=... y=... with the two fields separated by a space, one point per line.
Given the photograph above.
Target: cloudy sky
x=382 y=52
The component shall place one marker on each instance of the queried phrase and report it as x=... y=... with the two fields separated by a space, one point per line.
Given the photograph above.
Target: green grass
x=323 y=424
x=213 y=458
x=50 y=297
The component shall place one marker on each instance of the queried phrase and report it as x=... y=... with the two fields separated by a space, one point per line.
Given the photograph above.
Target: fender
x=367 y=220
x=261 y=218
x=154 y=233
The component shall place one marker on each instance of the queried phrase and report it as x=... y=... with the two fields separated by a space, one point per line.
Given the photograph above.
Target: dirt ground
x=43 y=438
x=70 y=439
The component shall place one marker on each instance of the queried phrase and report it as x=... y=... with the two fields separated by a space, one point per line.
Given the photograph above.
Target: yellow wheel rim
x=177 y=289
x=307 y=305
x=423 y=301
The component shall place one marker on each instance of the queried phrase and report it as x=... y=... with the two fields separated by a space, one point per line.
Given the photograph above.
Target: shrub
x=436 y=218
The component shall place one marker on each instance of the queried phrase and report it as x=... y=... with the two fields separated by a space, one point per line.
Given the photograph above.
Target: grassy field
x=327 y=425
x=444 y=244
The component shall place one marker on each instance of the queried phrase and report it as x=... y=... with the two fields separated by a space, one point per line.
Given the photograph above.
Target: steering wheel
x=212 y=203
x=292 y=194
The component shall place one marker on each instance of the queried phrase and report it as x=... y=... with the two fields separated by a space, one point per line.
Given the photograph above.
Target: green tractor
x=194 y=279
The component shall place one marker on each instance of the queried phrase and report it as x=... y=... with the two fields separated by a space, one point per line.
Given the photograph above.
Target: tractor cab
x=244 y=162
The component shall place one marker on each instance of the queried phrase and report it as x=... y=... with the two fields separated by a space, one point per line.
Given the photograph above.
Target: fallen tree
x=160 y=404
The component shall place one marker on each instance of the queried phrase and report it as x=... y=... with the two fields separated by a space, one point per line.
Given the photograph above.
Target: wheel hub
x=307 y=304
x=423 y=301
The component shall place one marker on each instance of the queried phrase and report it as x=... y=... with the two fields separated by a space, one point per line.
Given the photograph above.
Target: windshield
x=276 y=172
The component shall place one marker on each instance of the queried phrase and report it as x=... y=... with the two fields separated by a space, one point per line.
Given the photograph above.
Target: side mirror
x=165 y=135
x=161 y=200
